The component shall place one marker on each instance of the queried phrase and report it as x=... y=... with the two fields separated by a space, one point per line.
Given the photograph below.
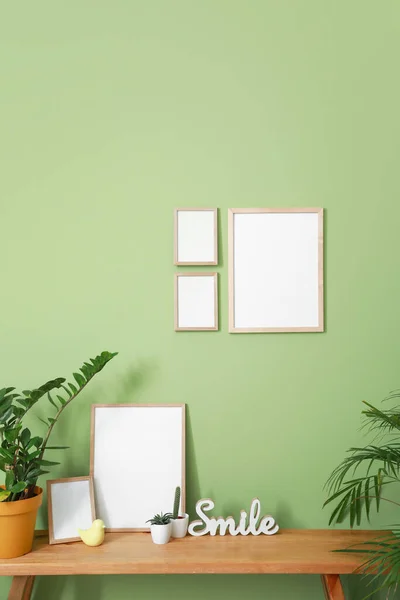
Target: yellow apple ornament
x=94 y=536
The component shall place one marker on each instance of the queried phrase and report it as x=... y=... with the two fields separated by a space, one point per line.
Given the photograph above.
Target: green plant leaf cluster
x=160 y=519
x=21 y=453
x=377 y=466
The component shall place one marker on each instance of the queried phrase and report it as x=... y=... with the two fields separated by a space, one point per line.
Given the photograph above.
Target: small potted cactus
x=179 y=522
x=160 y=527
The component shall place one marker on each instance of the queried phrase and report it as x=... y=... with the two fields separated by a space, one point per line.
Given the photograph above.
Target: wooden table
x=307 y=551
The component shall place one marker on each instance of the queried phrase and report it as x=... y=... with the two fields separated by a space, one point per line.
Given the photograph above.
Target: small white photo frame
x=196 y=236
x=138 y=450
x=196 y=302
x=276 y=281
x=70 y=507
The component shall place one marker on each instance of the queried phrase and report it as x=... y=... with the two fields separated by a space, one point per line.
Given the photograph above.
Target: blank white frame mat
x=137 y=460
x=71 y=508
x=196 y=302
x=196 y=236
x=276 y=270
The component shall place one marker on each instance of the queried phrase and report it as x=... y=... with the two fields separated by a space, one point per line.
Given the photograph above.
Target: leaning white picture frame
x=71 y=506
x=276 y=281
x=196 y=301
x=195 y=236
x=137 y=459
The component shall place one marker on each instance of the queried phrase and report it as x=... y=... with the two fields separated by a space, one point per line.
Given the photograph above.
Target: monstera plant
x=355 y=488
x=22 y=452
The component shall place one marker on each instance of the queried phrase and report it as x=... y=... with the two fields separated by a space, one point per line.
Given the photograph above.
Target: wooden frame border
x=50 y=482
x=176 y=306
x=215 y=261
x=92 y=440
x=231 y=214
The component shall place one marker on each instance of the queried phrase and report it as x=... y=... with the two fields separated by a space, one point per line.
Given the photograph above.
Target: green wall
x=113 y=113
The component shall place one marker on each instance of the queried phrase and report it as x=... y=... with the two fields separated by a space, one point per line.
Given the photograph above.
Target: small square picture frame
x=195 y=236
x=70 y=506
x=196 y=301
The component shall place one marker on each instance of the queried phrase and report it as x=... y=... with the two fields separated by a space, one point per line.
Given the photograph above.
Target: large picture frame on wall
x=276 y=281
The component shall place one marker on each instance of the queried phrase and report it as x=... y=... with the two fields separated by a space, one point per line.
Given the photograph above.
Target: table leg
x=21 y=588
x=332 y=587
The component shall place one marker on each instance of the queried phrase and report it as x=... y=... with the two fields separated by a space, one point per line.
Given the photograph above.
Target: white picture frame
x=276 y=281
x=196 y=302
x=195 y=236
x=137 y=458
x=70 y=505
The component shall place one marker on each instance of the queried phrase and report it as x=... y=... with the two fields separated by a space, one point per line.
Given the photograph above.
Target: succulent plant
x=160 y=519
x=177 y=500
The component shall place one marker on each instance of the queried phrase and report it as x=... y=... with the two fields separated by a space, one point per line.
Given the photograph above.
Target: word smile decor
x=247 y=525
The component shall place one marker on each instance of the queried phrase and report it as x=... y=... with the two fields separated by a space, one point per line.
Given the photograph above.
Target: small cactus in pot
x=177 y=501
x=179 y=522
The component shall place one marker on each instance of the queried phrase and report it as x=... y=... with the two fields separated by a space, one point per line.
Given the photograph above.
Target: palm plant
x=377 y=466
x=21 y=453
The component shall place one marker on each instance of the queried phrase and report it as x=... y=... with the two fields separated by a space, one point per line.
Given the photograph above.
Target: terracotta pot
x=17 y=525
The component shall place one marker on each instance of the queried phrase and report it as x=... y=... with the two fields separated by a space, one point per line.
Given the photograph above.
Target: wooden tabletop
x=289 y=551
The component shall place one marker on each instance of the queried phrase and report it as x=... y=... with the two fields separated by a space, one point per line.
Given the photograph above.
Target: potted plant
x=379 y=463
x=179 y=522
x=160 y=527
x=22 y=454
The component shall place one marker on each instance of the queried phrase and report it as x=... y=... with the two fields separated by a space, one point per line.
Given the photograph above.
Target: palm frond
x=385 y=421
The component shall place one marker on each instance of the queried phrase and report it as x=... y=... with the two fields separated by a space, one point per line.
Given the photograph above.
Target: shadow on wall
x=74 y=430
x=192 y=476
x=283 y=514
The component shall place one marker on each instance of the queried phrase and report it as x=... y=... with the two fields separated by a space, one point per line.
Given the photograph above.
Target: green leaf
x=377 y=491
x=35 y=441
x=6 y=454
x=64 y=387
x=46 y=463
x=43 y=421
x=11 y=434
x=352 y=507
x=358 y=503
x=9 y=479
x=61 y=400
x=23 y=401
x=367 y=498
x=5 y=391
x=26 y=392
x=18 y=487
x=81 y=381
x=4 y=495
x=51 y=400
x=73 y=388
x=51 y=420
x=34 y=454
x=6 y=415
x=25 y=436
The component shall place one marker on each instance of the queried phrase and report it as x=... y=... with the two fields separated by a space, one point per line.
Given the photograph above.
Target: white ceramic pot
x=161 y=534
x=180 y=526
